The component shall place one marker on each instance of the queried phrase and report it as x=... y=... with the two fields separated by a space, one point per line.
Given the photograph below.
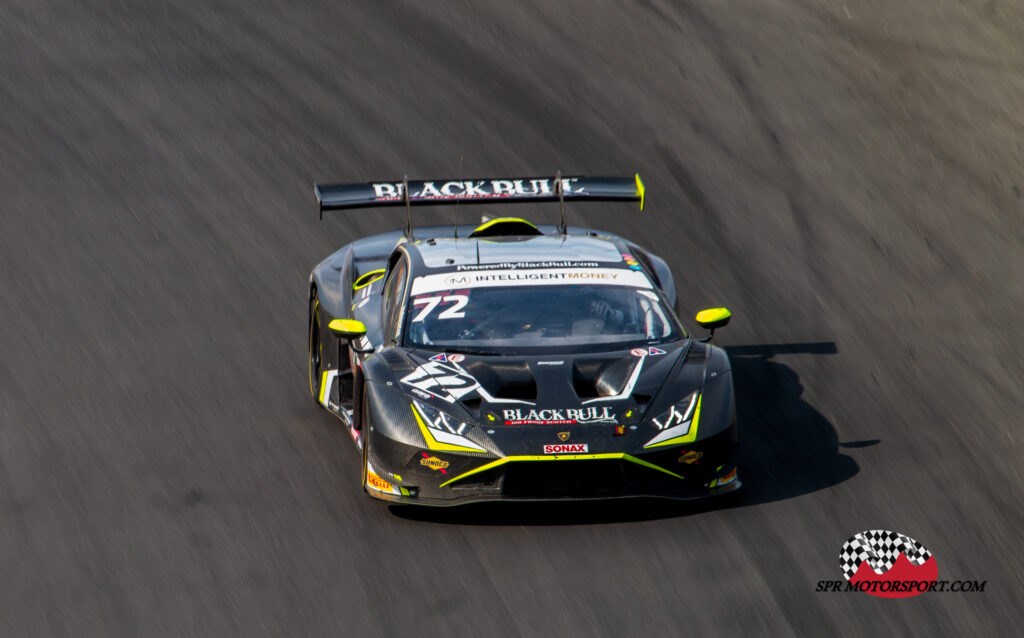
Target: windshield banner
x=545 y=277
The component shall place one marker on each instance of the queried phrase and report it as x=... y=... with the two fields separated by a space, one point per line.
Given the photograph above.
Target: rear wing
x=495 y=190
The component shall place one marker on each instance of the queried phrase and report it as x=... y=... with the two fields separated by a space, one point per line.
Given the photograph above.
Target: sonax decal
x=566 y=448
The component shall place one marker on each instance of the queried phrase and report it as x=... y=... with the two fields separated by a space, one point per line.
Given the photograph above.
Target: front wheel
x=316 y=349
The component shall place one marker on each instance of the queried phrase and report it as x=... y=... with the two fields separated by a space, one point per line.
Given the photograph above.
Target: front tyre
x=316 y=348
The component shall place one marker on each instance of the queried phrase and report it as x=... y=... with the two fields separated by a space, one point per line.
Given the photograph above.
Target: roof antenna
x=561 y=200
x=458 y=201
x=408 y=207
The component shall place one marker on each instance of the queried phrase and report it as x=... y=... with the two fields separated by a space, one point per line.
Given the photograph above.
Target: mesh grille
x=569 y=478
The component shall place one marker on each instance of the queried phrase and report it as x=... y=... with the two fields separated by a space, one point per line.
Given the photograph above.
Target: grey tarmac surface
x=847 y=177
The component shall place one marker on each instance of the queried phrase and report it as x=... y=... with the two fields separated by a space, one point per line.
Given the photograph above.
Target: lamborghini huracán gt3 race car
x=515 y=361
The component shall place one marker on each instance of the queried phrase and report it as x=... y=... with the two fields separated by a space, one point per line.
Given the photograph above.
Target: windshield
x=523 y=318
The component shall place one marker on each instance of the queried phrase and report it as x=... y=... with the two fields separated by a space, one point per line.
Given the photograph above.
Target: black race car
x=512 y=360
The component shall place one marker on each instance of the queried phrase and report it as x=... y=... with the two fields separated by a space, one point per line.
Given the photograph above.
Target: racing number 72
x=429 y=303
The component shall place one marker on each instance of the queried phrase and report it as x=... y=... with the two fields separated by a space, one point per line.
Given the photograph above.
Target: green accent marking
x=502 y=220
x=366 y=279
x=559 y=457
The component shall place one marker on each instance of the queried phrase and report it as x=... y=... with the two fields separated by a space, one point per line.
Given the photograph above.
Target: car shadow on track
x=788 y=448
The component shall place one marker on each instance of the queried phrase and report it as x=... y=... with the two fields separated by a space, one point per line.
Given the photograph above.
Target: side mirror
x=347 y=328
x=713 y=318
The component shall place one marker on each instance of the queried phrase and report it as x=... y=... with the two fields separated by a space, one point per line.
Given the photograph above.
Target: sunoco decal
x=434 y=463
x=562 y=416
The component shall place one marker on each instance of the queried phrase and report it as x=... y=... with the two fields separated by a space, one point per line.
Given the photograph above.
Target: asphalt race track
x=847 y=178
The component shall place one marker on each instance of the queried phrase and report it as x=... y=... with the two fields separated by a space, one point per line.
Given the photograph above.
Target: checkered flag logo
x=880 y=548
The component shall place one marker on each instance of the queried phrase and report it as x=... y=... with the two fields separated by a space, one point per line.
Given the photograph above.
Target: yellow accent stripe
x=640 y=190
x=502 y=220
x=559 y=457
x=690 y=436
x=482 y=468
x=323 y=385
x=433 y=443
x=368 y=278
x=633 y=459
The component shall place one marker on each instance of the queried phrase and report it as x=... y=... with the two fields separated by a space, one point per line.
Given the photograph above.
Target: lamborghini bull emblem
x=563 y=436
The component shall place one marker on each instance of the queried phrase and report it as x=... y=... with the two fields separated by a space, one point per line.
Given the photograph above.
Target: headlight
x=443 y=432
x=679 y=424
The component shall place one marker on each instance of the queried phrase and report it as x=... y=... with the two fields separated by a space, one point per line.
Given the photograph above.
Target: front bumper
x=402 y=473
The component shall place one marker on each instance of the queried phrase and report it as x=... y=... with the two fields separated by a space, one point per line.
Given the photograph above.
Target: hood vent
x=505 y=380
x=593 y=378
x=698 y=353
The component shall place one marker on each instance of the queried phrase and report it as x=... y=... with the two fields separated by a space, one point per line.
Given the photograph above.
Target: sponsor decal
x=631 y=261
x=559 y=416
x=646 y=352
x=550 y=363
x=377 y=482
x=724 y=480
x=445 y=358
x=888 y=564
x=690 y=457
x=566 y=448
x=620 y=430
x=535 y=277
x=563 y=436
x=434 y=463
x=421 y=394
x=475 y=189
x=512 y=265
x=454 y=281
